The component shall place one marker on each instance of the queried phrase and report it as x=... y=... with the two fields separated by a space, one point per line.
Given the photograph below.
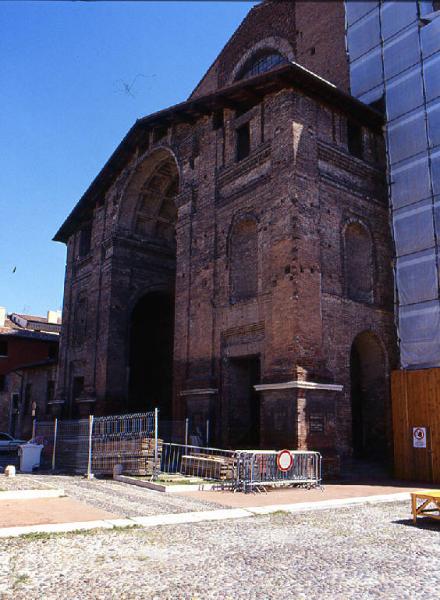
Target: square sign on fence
x=419 y=437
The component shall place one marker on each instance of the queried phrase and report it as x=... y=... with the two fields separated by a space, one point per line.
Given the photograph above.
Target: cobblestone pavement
x=118 y=498
x=357 y=553
x=22 y=482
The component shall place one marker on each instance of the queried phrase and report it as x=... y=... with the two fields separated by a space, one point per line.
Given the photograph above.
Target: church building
x=233 y=258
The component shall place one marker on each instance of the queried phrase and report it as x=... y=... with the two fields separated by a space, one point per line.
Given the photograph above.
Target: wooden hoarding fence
x=416 y=424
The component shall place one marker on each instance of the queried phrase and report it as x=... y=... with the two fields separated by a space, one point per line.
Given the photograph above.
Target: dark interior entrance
x=244 y=403
x=369 y=399
x=151 y=354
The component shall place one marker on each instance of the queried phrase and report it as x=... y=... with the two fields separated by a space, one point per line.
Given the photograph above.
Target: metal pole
x=186 y=431
x=156 y=435
x=55 y=431
x=207 y=432
x=89 y=457
x=33 y=428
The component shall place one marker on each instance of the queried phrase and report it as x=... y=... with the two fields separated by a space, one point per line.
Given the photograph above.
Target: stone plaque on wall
x=316 y=424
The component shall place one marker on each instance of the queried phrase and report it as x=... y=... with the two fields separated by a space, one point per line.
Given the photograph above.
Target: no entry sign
x=419 y=437
x=284 y=460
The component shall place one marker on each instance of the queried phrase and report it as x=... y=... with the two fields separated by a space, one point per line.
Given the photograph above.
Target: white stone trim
x=199 y=392
x=302 y=385
x=31 y=494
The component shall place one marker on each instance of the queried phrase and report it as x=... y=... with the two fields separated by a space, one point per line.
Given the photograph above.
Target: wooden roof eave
x=234 y=96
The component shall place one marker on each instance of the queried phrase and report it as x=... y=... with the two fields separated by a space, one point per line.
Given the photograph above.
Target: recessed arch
x=147 y=219
x=153 y=182
x=358 y=261
x=369 y=397
x=270 y=45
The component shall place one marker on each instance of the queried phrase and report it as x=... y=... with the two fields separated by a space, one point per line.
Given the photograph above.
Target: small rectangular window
x=217 y=120
x=3 y=348
x=243 y=141
x=2 y=383
x=85 y=240
x=354 y=139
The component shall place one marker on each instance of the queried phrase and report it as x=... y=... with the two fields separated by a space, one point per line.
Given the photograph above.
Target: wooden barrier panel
x=416 y=424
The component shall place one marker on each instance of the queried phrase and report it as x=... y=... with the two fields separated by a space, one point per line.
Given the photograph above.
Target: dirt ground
x=17 y=513
x=297 y=495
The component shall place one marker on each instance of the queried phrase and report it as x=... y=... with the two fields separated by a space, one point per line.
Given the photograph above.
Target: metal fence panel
x=260 y=468
x=72 y=445
x=126 y=440
x=96 y=445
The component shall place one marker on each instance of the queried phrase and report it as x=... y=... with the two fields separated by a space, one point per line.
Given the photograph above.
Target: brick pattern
x=293 y=196
x=310 y=33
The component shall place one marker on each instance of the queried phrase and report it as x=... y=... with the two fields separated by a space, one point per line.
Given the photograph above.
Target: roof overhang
x=244 y=93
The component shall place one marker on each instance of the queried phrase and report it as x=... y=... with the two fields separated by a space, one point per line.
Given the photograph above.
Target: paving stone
x=356 y=553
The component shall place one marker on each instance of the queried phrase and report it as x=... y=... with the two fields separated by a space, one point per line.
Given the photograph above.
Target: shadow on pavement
x=424 y=523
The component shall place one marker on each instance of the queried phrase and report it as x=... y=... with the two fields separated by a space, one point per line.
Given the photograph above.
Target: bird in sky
x=127 y=88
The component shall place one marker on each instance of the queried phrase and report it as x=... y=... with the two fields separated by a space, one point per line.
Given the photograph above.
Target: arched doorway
x=151 y=354
x=369 y=398
x=153 y=263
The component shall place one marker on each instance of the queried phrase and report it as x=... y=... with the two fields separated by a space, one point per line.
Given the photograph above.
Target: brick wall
x=310 y=33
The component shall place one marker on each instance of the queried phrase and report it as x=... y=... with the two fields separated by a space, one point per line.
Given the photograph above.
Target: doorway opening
x=369 y=399
x=151 y=354
x=244 y=403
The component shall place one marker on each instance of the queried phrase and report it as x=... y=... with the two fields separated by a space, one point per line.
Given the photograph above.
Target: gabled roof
x=245 y=92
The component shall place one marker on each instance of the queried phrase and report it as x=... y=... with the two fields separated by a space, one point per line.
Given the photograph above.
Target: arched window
x=261 y=63
x=243 y=262
x=156 y=214
x=358 y=263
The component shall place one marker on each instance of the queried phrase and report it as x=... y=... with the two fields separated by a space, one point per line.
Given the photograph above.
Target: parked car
x=8 y=443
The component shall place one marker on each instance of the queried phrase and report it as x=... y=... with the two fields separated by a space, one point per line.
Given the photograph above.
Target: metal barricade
x=257 y=469
x=97 y=444
x=127 y=440
x=72 y=445
x=205 y=463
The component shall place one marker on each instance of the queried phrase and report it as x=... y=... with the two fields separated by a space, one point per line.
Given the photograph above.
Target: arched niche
x=369 y=398
x=358 y=262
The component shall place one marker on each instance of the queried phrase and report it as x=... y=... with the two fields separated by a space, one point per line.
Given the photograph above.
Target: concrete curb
x=199 y=517
x=328 y=504
x=31 y=494
x=192 y=517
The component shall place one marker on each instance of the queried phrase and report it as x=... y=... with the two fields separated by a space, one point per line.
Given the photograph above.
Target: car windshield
x=5 y=437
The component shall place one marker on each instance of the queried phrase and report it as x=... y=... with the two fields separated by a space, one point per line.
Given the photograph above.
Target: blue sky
x=74 y=76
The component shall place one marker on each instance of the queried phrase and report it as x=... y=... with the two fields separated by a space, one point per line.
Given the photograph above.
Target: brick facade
x=263 y=324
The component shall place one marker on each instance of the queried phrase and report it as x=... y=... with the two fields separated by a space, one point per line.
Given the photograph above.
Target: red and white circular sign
x=419 y=433
x=284 y=460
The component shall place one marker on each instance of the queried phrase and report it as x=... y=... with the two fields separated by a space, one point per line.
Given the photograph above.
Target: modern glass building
x=394 y=55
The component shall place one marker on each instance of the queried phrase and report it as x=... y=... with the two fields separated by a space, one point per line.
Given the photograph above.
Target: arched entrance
x=369 y=398
x=153 y=266
x=151 y=354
